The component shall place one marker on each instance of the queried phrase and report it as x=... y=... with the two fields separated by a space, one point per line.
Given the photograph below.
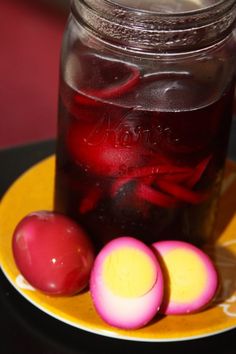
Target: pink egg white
x=190 y=277
x=126 y=283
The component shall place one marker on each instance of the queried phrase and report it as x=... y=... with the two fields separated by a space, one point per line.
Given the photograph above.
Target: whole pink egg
x=53 y=253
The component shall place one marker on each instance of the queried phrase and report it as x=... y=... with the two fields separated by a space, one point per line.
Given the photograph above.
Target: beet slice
x=154 y=196
x=200 y=169
x=182 y=193
x=92 y=96
x=90 y=200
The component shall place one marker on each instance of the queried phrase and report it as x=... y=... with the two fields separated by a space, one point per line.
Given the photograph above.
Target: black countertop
x=26 y=330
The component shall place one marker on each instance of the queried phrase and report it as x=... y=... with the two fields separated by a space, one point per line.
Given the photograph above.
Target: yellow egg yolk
x=128 y=272
x=187 y=275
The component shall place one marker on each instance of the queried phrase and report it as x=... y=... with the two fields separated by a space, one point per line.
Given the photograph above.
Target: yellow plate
x=34 y=191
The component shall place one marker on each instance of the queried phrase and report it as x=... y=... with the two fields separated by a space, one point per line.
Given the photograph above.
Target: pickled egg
x=126 y=283
x=53 y=253
x=190 y=277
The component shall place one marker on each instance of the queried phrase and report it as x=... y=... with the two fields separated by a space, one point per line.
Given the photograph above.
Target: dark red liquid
x=143 y=173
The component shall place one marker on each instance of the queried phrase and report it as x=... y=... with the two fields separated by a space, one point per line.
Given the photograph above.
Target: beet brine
x=126 y=169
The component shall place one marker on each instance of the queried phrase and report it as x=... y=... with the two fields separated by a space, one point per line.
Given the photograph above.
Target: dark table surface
x=26 y=330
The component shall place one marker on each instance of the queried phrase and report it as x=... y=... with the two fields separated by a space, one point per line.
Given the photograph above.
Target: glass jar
x=146 y=93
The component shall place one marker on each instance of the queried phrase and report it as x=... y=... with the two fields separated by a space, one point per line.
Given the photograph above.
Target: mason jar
x=146 y=94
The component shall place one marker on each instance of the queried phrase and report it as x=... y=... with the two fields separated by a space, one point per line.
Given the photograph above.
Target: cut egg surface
x=190 y=277
x=126 y=283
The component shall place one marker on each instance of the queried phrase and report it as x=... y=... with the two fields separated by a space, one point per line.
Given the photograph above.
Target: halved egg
x=190 y=277
x=126 y=283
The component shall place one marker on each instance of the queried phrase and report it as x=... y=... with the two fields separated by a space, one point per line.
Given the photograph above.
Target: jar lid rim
x=196 y=11
x=150 y=31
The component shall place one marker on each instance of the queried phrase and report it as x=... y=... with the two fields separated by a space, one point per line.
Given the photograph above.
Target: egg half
x=190 y=277
x=126 y=283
